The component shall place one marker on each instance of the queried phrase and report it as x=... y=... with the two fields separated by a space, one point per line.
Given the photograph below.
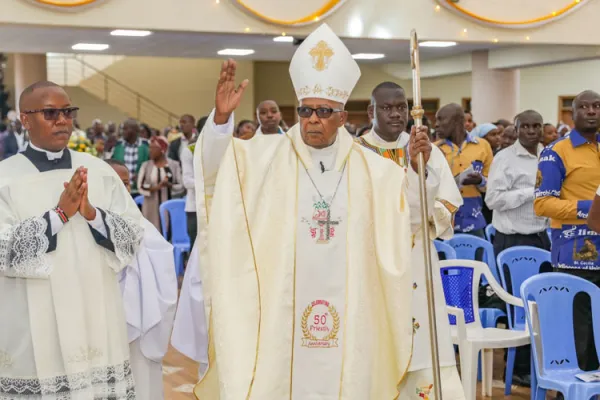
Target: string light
x=438 y=8
x=465 y=30
x=217 y=1
x=495 y=40
x=317 y=18
x=247 y=29
x=527 y=38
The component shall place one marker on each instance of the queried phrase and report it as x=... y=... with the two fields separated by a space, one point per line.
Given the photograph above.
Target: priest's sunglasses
x=322 y=112
x=53 y=114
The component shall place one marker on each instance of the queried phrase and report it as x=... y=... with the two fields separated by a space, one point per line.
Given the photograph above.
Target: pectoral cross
x=326 y=225
x=321 y=52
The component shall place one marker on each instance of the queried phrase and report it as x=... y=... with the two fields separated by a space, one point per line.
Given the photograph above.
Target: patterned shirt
x=471 y=153
x=567 y=179
x=131 y=157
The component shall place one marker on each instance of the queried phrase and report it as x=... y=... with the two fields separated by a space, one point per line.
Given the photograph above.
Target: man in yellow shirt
x=470 y=159
x=568 y=176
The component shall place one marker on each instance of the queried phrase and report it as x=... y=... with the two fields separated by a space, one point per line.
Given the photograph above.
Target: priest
x=389 y=113
x=149 y=288
x=304 y=248
x=67 y=228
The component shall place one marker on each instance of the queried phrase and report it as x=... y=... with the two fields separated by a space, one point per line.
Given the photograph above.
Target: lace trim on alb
x=126 y=235
x=23 y=249
x=111 y=382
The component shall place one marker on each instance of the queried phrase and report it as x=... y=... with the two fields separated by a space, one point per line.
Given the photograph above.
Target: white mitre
x=323 y=68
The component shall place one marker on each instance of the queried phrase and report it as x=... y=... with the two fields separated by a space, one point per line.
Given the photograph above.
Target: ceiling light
x=235 y=52
x=367 y=56
x=132 y=33
x=437 y=44
x=284 y=39
x=90 y=46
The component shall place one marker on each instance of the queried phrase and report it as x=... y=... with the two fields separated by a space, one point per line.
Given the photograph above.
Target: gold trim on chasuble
x=257 y=284
x=399 y=156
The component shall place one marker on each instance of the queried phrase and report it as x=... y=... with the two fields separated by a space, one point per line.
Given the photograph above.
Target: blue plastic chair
x=179 y=235
x=553 y=345
x=445 y=249
x=490 y=232
x=466 y=247
x=139 y=200
x=520 y=263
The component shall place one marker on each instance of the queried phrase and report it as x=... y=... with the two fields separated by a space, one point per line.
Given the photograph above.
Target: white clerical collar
x=51 y=155
x=327 y=155
x=378 y=141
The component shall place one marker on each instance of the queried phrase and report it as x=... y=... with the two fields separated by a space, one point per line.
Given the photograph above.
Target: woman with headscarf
x=159 y=180
x=490 y=133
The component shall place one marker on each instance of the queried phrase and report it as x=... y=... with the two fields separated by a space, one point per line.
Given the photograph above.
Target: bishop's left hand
x=419 y=143
x=87 y=210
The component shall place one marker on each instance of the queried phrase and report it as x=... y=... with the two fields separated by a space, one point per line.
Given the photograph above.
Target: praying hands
x=74 y=197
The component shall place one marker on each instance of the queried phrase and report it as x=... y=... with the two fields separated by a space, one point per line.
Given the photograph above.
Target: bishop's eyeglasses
x=52 y=114
x=322 y=112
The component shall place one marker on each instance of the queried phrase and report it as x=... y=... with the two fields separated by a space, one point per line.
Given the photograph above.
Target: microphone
x=322 y=167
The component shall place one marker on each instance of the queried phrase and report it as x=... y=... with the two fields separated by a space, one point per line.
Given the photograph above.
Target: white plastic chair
x=460 y=279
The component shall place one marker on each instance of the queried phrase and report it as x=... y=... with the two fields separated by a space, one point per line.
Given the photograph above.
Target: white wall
x=542 y=86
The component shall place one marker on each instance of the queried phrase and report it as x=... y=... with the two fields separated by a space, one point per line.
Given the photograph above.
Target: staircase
x=72 y=71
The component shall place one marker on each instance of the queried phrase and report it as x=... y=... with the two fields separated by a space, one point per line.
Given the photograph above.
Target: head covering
x=482 y=130
x=322 y=67
x=161 y=141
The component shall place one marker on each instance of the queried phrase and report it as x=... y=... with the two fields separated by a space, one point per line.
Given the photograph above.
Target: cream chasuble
x=443 y=200
x=299 y=306
x=64 y=331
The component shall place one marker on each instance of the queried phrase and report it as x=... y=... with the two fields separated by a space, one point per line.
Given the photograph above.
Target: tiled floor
x=180 y=374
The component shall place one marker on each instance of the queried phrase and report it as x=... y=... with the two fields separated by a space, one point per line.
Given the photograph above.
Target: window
x=466 y=103
x=357 y=112
x=565 y=110
x=288 y=114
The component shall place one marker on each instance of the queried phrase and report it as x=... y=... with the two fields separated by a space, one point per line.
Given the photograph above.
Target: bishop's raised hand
x=228 y=95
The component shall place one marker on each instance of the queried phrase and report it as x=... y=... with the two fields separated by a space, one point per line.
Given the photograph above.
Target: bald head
x=383 y=87
x=450 y=122
x=34 y=92
x=48 y=128
x=269 y=117
x=586 y=114
x=527 y=115
x=583 y=96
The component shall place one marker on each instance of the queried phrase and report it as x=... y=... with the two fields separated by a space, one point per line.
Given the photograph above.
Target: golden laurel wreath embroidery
x=334 y=331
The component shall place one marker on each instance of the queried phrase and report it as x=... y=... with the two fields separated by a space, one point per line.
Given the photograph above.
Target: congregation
x=344 y=290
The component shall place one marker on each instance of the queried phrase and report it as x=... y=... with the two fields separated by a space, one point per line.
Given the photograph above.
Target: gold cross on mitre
x=321 y=55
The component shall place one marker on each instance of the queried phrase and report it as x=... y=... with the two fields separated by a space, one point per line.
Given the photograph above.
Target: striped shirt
x=510 y=191
x=568 y=176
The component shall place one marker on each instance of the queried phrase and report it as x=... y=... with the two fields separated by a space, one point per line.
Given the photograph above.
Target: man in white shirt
x=511 y=186
x=510 y=193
